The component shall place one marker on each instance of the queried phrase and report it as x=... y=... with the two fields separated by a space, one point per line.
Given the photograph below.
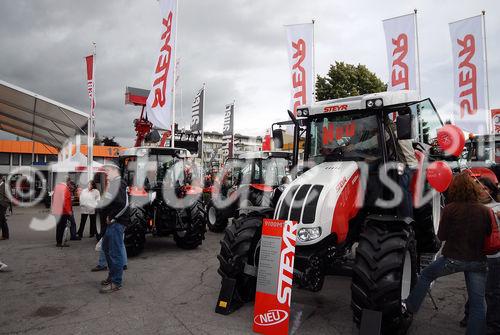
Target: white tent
x=75 y=163
x=41 y=119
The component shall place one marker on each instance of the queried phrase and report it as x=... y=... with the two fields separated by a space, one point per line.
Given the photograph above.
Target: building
x=17 y=154
x=212 y=145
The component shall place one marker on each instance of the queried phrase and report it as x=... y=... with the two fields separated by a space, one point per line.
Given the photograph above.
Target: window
x=51 y=158
x=428 y=120
x=4 y=158
x=351 y=136
x=26 y=159
x=40 y=158
x=15 y=159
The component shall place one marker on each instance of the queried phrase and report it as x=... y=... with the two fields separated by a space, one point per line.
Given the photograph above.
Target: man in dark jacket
x=116 y=212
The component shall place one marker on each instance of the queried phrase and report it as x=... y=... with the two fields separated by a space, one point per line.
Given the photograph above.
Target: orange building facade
x=14 y=154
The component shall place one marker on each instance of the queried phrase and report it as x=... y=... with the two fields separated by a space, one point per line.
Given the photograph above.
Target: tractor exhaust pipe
x=296 y=136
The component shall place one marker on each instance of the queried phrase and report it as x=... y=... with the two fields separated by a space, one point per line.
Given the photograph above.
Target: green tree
x=345 y=80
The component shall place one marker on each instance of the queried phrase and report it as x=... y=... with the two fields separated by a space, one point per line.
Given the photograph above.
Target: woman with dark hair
x=464 y=225
x=89 y=198
x=489 y=198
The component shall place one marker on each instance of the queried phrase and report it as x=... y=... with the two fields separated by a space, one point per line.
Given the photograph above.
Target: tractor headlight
x=302 y=112
x=309 y=234
x=374 y=103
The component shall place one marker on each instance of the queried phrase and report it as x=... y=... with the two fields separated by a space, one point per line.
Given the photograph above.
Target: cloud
x=236 y=47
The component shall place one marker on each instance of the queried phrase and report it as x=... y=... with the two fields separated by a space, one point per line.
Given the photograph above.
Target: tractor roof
x=361 y=102
x=263 y=154
x=142 y=151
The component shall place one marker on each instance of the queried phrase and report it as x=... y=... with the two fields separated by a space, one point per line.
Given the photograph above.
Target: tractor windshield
x=147 y=171
x=269 y=171
x=353 y=136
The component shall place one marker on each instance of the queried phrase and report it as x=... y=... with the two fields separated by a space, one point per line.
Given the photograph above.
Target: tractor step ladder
x=227 y=304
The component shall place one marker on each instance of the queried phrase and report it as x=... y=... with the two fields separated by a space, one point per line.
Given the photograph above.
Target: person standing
x=62 y=210
x=465 y=224
x=89 y=198
x=489 y=198
x=72 y=227
x=117 y=217
x=4 y=204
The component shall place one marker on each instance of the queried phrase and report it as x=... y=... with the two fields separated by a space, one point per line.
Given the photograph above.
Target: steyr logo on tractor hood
x=271 y=317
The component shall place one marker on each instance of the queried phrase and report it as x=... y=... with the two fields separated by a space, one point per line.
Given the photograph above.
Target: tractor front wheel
x=239 y=254
x=384 y=272
x=193 y=227
x=216 y=220
x=135 y=232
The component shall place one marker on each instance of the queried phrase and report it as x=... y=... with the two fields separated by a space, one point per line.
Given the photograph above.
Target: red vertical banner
x=274 y=280
x=90 y=80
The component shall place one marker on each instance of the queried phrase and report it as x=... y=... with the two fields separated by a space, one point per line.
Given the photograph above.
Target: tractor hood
x=324 y=197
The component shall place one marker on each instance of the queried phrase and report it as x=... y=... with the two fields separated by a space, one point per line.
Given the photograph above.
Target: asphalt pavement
x=49 y=290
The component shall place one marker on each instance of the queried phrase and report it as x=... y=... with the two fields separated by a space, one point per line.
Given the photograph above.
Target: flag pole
x=418 y=56
x=314 y=64
x=202 y=132
x=490 y=123
x=172 y=136
x=90 y=134
x=232 y=126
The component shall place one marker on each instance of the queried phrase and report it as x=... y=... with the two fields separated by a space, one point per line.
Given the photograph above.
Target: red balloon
x=439 y=176
x=451 y=140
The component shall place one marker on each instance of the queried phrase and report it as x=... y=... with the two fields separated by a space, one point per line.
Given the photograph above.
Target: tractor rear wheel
x=216 y=221
x=239 y=254
x=135 y=232
x=384 y=272
x=194 y=227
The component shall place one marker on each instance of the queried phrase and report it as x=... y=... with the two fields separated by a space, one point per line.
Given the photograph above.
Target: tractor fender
x=251 y=210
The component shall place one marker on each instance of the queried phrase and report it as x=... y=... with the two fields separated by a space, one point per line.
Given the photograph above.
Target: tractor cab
x=262 y=170
x=149 y=169
x=482 y=154
x=367 y=132
x=247 y=180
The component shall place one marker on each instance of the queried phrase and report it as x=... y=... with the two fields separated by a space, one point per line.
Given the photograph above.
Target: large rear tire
x=194 y=222
x=135 y=232
x=216 y=220
x=239 y=253
x=384 y=272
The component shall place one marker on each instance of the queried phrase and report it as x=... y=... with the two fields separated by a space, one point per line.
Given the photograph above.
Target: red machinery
x=137 y=97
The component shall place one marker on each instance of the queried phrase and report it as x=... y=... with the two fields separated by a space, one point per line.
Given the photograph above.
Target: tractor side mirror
x=278 y=138
x=404 y=127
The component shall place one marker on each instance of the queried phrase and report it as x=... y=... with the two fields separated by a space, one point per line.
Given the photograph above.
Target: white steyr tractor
x=347 y=223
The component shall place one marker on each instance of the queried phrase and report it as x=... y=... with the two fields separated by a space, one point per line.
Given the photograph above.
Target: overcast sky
x=236 y=47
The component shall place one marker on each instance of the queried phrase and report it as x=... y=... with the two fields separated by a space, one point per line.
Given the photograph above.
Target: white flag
x=159 y=105
x=301 y=57
x=401 y=44
x=467 y=40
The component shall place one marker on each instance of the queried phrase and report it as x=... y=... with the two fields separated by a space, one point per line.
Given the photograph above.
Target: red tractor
x=244 y=185
x=151 y=172
x=346 y=224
